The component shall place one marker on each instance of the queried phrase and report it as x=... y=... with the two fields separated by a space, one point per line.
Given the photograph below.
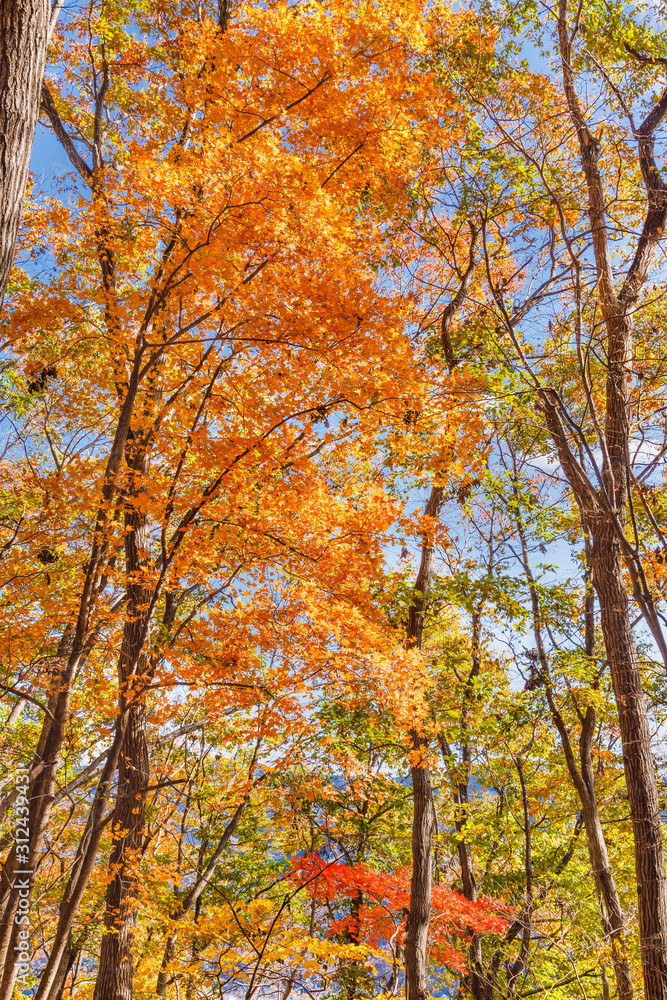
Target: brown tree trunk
x=41 y=793
x=475 y=978
x=416 y=939
x=24 y=32
x=638 y=762
x=72 y=650
x=583 y=777
x=115 y=973
x=613 y=919
x=116 y=969
x=82 y=868
x=605 y=508
x=67 y=960
x=605 y=515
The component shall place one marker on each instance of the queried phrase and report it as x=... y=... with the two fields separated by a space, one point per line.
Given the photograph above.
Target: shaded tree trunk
x=115 y=974
x=583 y=779
x=416 y=940
x=606 y=521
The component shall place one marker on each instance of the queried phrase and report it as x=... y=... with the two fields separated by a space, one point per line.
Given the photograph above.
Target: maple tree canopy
x=332 y=501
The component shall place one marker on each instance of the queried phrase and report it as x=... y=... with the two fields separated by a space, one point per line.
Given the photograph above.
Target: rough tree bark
x=24 y=33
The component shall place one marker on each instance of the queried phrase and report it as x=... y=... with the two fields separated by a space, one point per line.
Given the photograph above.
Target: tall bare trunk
x=115 y=973
x=41 y=794
x=416 y=941
x=81 y=869
x=606 y=521
x=423 y=822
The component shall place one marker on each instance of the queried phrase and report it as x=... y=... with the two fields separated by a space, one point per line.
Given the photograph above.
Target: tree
x=25 y=28
x=556 y=202
x=201 y=356
x=303 y=394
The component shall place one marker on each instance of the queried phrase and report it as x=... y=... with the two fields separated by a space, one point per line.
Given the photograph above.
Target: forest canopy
x=333 y=500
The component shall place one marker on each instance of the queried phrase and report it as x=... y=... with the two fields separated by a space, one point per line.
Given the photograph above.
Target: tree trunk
x=24 y=32
x=605 y=515
x=82 y=868
x=475 y=978
x=115 y=974
x=613 y=919
x=605 y=509
x=41 y=793
x=116 y=969
x=416 y=938
x=583 y=777
x=638 y=762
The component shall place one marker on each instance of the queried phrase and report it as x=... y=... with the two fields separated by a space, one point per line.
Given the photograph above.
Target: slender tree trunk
x=606 y=520
x=605 y=509
x=613 y=920
x=638 y=762
x=41 y=794
x=24 y=32
x=115 y=974
x=583 y=777
x=116 y=968
x=640 y=776
x=82 y=868
x=416 y=939
x=475 y=978
x=72 y=650
x=67 y=960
